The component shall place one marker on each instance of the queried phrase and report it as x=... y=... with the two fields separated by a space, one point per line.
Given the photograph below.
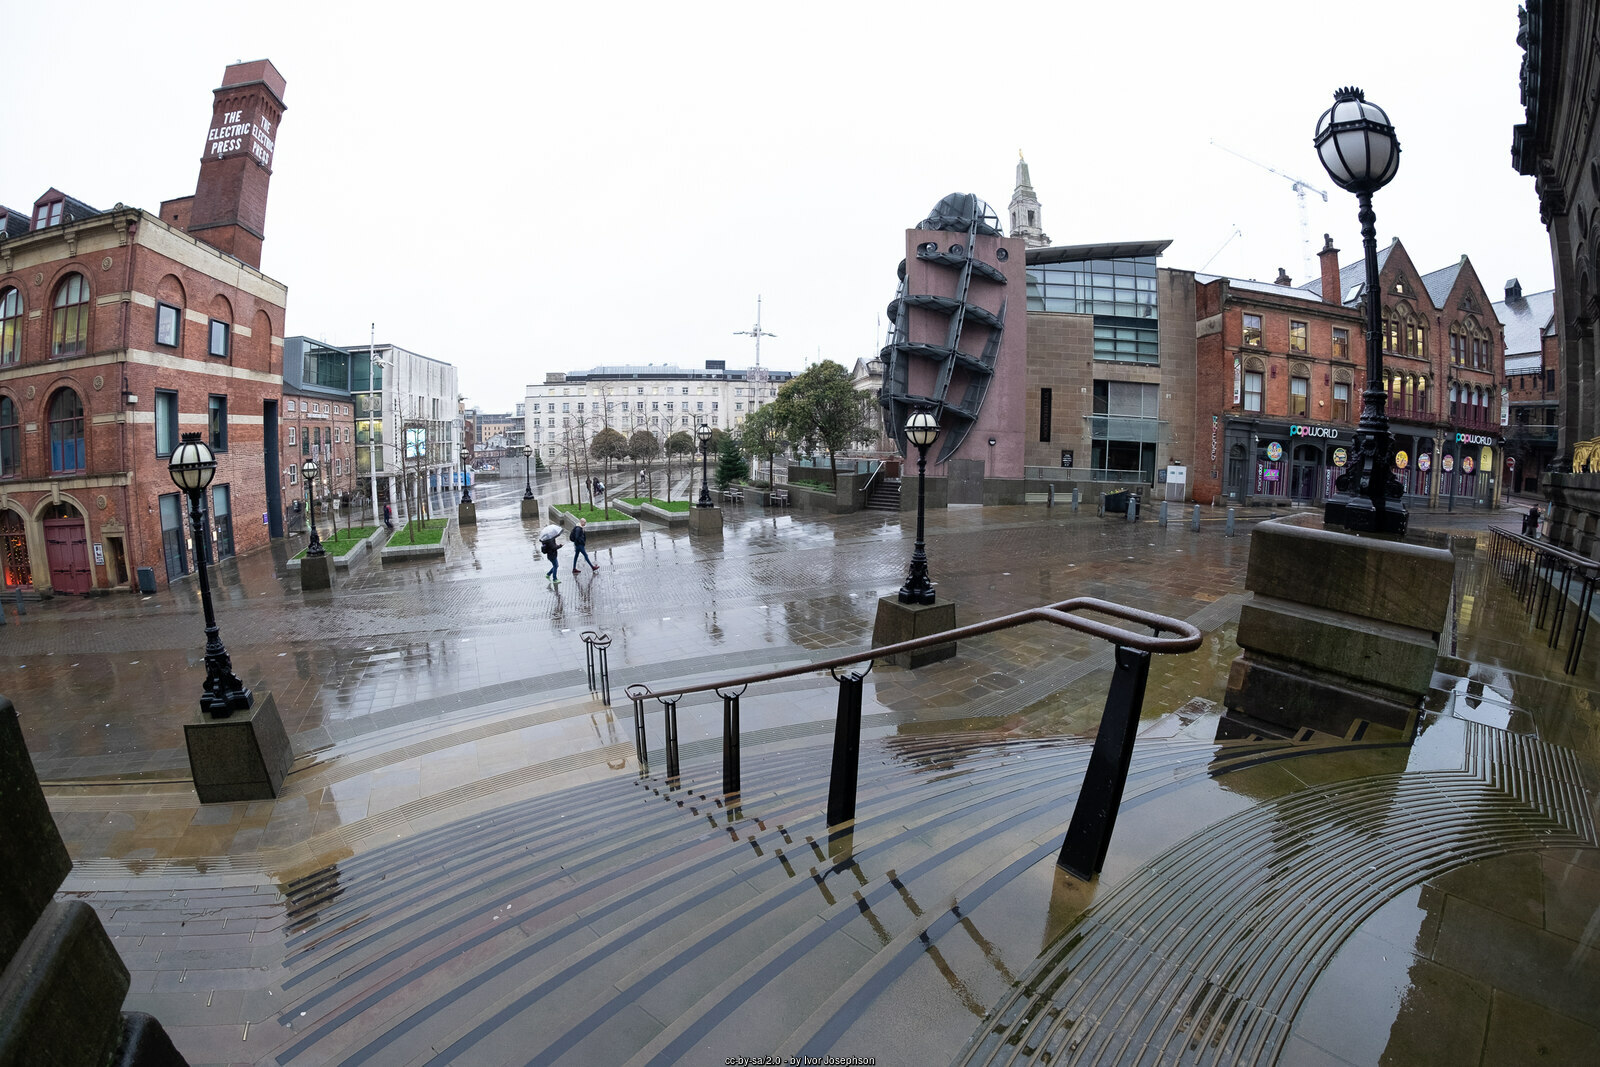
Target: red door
x=67 y=549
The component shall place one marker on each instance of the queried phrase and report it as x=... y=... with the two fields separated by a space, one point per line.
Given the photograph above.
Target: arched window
x=1391 y=333
x=1455 y=346
x=10 y=325
x=1455 y=401
x=1422 y=395
x=66 y=433
x=70 y=332
x=1411 y=393
x=10 y=440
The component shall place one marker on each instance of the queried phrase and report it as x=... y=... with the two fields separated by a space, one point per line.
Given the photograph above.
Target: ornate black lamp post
x=921 y=430
x=466 y=477
x=527 y=472
x=192 y=467
x=704 y=433
x=1359 y=149
x=309 y=470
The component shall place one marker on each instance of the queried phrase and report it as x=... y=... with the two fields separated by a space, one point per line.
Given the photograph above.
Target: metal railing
x=1083 y=851
x=595 y=645
x=866 y=487
x=1535 y=569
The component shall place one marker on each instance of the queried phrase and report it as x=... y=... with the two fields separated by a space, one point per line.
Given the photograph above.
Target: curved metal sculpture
x=964 y=214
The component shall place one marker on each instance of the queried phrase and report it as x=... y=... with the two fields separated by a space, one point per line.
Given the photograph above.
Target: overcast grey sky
x=519 y=188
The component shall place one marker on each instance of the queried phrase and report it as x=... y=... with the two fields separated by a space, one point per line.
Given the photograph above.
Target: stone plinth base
x=530 y=508
x=316 y=572
x=466 y=513
x=1342 y=628
x=62 y=982
x=242 y=757
x=62 y=992
x=705 y=521
x=898 y=622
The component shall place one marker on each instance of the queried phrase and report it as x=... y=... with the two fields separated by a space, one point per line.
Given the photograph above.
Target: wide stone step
x=634 y=957
x=1205 y=955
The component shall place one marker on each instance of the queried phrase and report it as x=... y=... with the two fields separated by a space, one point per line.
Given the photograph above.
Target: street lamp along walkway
x=192 y=467
x=309 y=470
x=704 y=433
x=527 y=472
x=1359 y=150
x=922 y=428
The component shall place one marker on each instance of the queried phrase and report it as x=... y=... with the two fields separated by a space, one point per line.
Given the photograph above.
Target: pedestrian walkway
x=468 y=865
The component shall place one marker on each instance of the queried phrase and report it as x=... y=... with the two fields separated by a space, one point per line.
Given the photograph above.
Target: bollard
x=21 y=610
x=1051 y=489
x=1230 y=522
x=1133 y=508
x=1194 y=523
x=1161 y=520
x=1074 y=498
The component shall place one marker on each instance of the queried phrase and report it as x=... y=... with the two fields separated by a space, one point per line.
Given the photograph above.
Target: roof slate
x=1441 y=281
x=1523 y=320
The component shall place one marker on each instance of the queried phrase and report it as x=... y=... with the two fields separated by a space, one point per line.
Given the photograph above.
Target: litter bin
x=147 y=579
x=1115 y=503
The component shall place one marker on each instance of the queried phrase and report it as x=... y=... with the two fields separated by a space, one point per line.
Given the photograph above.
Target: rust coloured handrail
x=1083 y=851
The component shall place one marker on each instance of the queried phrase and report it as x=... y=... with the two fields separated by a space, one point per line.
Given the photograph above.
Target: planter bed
x=397 y=551
x=621 y=524
x=352 y=555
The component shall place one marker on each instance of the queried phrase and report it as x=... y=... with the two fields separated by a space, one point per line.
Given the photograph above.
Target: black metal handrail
x=1083 y=851
x=595 y=647
x=1534 y=569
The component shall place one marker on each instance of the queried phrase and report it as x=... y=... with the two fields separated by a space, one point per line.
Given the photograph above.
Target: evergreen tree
x=731 y=465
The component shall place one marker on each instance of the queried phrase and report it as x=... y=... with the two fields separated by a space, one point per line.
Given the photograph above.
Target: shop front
x=1416 y=461
x=1284 y=462
x=1468 y=469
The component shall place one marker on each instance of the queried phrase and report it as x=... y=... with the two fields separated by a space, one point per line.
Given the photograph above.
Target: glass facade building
x=1119 y=293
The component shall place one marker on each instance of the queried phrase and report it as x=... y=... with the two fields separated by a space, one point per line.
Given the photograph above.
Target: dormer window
x=48 y=215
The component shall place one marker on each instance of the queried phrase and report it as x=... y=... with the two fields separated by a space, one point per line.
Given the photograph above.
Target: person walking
x=580 y=539
x=550 y=546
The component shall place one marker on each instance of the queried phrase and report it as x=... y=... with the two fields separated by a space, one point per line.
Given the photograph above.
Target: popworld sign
x=1313 y=431
x=1473 y=439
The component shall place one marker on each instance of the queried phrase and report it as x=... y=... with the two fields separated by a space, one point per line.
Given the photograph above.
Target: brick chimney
x=1329 y=257
x=1282 y=278
x=229 y=211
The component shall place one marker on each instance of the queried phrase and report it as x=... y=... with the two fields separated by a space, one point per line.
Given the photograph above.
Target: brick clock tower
x=229 y=209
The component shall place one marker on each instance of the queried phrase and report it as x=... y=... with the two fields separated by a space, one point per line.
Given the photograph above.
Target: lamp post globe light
x=466 y=466
x=1359 y=150
x=527 y=472
x=704 y=433
x=921 y=430
x=309 y=470
x=192 y=467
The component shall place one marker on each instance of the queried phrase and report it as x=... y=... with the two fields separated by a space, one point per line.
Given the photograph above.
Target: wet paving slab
x=428 y=699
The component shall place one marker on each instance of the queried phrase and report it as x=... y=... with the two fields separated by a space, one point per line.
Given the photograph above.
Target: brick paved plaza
x=468 y=865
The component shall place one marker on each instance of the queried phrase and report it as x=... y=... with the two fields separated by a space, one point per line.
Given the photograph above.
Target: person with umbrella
x=549 y=544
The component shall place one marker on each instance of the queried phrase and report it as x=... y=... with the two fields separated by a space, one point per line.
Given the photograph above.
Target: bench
x=733 y=495
x=778 y=497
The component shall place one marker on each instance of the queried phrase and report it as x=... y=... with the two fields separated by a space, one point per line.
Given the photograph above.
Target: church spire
x=1025 y=213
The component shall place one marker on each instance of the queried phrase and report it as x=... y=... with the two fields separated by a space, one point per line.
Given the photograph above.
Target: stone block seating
x=61 y=980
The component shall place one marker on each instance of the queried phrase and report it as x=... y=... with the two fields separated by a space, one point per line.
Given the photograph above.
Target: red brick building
x=121 y=330
x=1281 y=370
x=1533 y=399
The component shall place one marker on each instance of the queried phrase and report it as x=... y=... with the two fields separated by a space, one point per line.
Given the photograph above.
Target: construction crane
x=1301 y=188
